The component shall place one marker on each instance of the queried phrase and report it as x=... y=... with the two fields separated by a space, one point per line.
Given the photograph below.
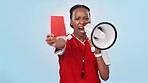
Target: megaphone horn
x=102 y=35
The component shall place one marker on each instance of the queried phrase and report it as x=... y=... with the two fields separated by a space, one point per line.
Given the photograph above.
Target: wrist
x=98 y=55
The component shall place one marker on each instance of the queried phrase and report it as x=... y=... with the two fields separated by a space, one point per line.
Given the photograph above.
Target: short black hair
x=77 y=6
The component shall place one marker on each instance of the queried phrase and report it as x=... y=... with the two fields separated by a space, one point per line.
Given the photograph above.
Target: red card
x=58 y=26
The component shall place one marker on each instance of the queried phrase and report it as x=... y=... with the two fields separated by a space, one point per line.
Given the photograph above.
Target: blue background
x=26 y=58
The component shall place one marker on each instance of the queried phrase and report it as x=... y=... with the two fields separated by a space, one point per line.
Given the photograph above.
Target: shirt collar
x=83 y=42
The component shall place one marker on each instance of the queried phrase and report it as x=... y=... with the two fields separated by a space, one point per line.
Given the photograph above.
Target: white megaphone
x=102 y=35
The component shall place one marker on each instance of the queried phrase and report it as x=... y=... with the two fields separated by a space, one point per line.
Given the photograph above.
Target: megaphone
x=102 y=35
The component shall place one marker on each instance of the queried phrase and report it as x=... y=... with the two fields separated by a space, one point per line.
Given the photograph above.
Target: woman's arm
x=102 y=67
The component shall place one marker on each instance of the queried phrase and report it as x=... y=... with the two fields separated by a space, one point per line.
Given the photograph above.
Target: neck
x=81 y=38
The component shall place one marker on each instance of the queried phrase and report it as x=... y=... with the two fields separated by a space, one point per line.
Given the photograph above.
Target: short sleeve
x=61 y=51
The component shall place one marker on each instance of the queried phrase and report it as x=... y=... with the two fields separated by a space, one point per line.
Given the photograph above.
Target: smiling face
x=79 y=17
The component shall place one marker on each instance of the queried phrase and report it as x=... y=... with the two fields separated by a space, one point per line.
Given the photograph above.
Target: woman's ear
x=71 y=24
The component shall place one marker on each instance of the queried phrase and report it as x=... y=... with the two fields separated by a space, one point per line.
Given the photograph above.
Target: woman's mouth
x=81 y=29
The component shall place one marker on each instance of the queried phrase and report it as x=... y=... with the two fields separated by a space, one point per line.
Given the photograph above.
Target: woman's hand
x=55 y=42
x=95 y=50
x=51 y=40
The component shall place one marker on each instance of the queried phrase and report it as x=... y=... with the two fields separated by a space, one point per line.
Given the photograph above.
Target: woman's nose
x=82 y=21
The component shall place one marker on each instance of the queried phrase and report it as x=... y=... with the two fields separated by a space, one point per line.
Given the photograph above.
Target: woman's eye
x=77 y=18
x=86 y=18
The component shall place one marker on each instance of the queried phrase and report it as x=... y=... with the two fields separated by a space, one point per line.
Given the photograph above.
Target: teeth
x=80 y=27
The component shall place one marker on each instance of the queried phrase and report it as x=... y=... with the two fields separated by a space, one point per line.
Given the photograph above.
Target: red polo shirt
x=70 y=63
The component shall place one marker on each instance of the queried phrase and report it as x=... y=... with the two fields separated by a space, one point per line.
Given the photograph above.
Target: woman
x=78 y=62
